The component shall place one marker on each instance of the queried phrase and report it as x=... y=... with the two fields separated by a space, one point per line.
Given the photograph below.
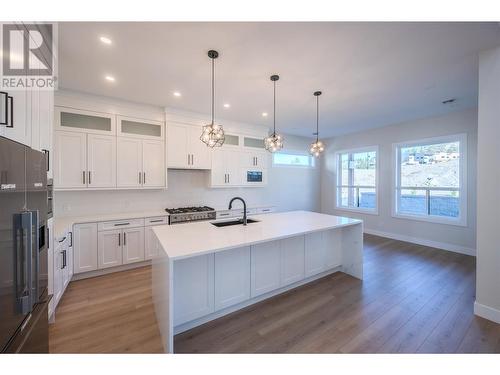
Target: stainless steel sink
x=232 y=222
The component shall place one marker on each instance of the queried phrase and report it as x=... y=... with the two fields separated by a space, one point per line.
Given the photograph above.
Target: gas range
x=188 y=214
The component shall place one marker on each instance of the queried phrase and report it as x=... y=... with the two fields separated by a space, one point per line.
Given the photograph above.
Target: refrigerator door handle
x=47 y=152
x=34 y=247
x=22 y=225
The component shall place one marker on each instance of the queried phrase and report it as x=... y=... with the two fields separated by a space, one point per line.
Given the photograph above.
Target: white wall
x=451 y=237
x=488 y=181
x=287 y=189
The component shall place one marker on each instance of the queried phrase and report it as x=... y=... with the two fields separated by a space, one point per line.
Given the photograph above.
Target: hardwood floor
x=414 y=299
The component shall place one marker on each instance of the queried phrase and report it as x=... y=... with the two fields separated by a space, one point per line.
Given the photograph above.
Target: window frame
x=294 y=152
x=461 y=220
x=338 y=180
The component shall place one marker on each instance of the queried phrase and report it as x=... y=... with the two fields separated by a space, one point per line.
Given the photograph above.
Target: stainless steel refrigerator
x=23 y=249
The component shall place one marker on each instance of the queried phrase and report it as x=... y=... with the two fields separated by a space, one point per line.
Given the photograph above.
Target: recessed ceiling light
x=227 y=105
x=264 y=114
x=105 y=40
x=177 y=93
x=110 y=78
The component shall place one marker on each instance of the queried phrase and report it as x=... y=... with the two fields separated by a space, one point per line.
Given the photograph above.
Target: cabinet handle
x=119 y=239
x=124 y=238
x=120 y=224
x=71 y=239
x=63 y=259
x=228 y=178
x=192 y=159
x=90 y=179
x=140 y=182
x=156 y=221
x=83 y=177
x=144 y=178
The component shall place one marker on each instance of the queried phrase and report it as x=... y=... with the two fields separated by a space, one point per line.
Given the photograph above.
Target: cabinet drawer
x=121 y=224
x=158 y=220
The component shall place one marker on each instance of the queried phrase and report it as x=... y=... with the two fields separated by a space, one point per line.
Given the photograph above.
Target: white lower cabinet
x=133 y=245
x=62 y=269
x=322 y=251
x=315 y=254
x=110 y=248
x=151 y=245
x=232 y=277
x=57 y=274
x=193 y=288
x=84 y=247
x=292 y=260
x=333 y=248
x=265 y=267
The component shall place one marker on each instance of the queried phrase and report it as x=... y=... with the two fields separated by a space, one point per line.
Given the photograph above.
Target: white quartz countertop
x=193 y=239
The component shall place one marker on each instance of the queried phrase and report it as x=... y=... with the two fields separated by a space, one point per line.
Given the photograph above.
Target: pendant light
x=317 y=147
x=213 y=134
x=274 y=142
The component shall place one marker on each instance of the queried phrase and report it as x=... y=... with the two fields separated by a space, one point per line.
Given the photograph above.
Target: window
x=430 y=179
x=357 y=180
x=293 y=159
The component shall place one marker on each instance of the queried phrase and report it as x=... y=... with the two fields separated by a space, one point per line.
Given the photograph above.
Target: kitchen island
x=203 y=272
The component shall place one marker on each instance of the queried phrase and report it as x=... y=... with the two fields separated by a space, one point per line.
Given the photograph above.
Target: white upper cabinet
x=19 y=117
x=225 y=168
x=140 y=163
x=144 y=129
x=101 y=161
x=129 y=162
x=70 y=164
x=177 y=146
x=115 y=152
x=84 y=161
x=254 y=159
x=46 y=129
x=153 y=164
x=185 y=150
x=76 y=120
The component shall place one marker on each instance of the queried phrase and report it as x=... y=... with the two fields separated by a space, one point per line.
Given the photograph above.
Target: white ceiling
x=371 y=74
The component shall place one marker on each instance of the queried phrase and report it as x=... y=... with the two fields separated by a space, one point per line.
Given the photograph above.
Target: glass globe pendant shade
x=317 y=148
x=212 y=135
x=273 y=143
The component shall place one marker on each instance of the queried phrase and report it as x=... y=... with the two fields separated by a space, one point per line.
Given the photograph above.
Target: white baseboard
x=424 y=242
x=487 y=312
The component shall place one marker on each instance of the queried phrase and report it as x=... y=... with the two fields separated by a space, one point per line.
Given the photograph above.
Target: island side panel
x=352 y=250
x=162 y=270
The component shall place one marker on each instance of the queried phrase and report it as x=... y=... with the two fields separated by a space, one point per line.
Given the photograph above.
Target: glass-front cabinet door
x=254 y=142
x=83 y=121
x=139 y=128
